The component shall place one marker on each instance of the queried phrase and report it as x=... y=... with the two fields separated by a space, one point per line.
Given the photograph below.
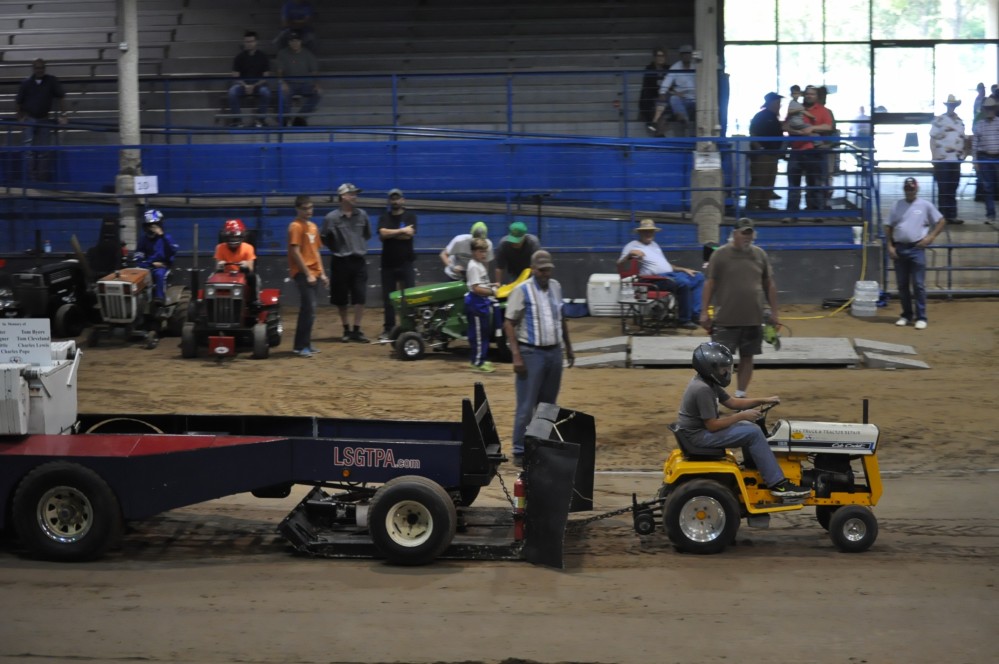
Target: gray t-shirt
x=346 y=236
x=700 y=402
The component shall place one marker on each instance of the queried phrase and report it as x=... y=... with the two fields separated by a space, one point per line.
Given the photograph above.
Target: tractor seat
x=693 y=452
x=657 y=287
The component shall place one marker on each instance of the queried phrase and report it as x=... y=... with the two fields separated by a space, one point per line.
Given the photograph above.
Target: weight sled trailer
x=399 y=489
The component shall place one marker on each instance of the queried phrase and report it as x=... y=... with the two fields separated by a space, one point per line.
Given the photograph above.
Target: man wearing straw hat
x=652 y=261
x=947 y=147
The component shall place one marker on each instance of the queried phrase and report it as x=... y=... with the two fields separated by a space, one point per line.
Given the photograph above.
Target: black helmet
x=713 y=363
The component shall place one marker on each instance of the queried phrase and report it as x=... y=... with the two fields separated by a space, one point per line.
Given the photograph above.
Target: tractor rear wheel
x=261 y=346
x=853 y=528
x=68 y=322
x=701 y=516
x=179 y=315
x=188 y=341
x=410 y=346
x=65 y=512
x=412 y=520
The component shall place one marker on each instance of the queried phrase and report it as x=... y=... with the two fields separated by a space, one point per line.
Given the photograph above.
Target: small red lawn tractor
x=226 y=317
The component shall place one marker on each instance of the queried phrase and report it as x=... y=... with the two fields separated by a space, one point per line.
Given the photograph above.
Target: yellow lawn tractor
x=706 y=492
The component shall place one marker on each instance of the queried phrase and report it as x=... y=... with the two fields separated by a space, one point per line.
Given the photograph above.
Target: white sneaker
x=920 y=324
x=902 y=322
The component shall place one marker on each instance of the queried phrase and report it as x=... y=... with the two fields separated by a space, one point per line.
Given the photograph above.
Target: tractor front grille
x=224 y=310
x=116 y=307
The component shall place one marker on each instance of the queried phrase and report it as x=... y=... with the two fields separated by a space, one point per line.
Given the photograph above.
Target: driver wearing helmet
x=700 y=421
x=234 y=254
x=155 y=251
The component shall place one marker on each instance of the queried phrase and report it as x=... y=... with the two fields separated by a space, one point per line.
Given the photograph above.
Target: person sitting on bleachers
x=251 y=67
x=297 y=16
x=293 y=62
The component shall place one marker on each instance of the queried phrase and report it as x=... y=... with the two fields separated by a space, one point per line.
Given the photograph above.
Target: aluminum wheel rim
x=409 y=523
x=702 y=519
x=411 y=347
x=854 y=530
x=64 y=514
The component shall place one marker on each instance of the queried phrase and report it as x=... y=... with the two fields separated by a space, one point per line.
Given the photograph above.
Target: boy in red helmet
x=234 y=254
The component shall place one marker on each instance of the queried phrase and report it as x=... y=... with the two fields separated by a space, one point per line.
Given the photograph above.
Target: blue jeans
x=306 y=311
x=688 y=294
x=910 y=273
x=237 y=91
x=988 y=176
x=811 y=165
x=540 y=385
x=306 y=90
x=38 y=133
x=947 y=174
x=746 y=435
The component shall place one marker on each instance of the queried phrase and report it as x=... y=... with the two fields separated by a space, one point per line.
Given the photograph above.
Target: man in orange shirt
x=306 y=270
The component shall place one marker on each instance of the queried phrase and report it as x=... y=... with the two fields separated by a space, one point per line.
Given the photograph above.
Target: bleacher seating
x=409 y=38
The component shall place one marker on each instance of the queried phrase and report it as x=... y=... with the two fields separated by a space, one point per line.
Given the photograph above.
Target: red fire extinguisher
x=519 y=509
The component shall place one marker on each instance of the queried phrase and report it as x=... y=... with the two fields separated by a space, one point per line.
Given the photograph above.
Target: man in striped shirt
x=986 y=149
x=536 y=331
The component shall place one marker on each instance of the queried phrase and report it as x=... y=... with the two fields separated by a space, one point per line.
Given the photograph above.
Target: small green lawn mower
x=433 y=316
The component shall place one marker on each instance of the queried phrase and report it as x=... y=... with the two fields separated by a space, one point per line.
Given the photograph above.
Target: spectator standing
x=155 y=252
x=912 y=226
x=251 y=69
x=655 y=72
x=678 y=89
x=652 y=261
x=947 y=149
x=536 y=332
x=295 y=62
x=479 y=307
x=986 y=149
x=806 y=158
x=740 y=279
x=458 y=251
x=396 y=229
x=346 y=232
x=764 y=155
x=297 y=16
x=514 y=253
x=33 y=103
x=306 y=269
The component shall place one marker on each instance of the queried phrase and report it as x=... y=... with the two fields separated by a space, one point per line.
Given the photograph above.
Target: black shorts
x=348 y=280
x=747 y=340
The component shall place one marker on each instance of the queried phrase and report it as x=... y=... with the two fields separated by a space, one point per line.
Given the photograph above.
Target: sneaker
x=346 y=336
x=920 y=324
x=305 y=352
x=518 y=460
x=902 y=322
x=955 y=222
x=485 y=367
x=785 y=489
x=688 y=325
x=385 y=336
x=359 y=337
x=314 y=350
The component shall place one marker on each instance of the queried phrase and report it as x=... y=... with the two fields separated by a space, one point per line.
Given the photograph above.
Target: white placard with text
x=25 y=341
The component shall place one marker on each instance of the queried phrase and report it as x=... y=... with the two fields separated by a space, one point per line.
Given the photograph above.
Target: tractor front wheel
x=410 y=346
x=853 y=528
x=69 y=322
x=261 y=346
x=412 y=520
x=701 y=516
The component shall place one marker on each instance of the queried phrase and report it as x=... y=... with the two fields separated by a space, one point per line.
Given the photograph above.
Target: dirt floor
x=214 y=583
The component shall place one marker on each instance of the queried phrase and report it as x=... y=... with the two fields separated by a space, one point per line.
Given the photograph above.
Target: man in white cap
x=947 y=148
x=652 y=261
x=679 y=91
x=345 y=233
x=912 y=226
x=986 y=149
x=458 y=252
x=740 y=281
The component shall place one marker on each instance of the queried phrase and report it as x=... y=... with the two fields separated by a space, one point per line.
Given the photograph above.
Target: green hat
x=518 y=230
x=479 y=229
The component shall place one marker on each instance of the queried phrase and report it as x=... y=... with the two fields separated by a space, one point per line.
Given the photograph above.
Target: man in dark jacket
x=763 y=155
x=251 y=67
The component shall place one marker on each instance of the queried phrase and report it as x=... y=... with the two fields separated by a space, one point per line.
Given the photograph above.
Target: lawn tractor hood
x=824 y=437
